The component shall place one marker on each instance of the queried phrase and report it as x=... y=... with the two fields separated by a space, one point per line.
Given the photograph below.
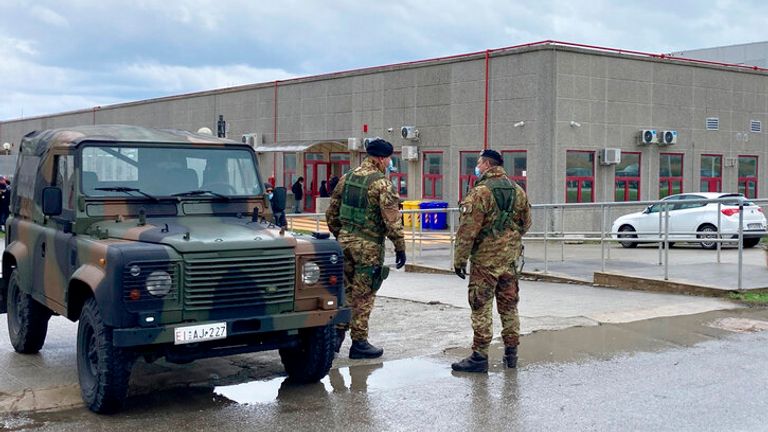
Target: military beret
x=268 y=186
x=492 y=154
x=379 y=147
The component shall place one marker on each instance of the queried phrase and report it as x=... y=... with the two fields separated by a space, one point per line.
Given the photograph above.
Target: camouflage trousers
x=358 y=255
x=483 y=287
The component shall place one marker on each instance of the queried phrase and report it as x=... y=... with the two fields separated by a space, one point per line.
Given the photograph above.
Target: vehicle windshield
x=164 y=171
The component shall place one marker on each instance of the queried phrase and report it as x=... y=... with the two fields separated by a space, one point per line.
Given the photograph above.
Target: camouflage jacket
x=478 y=211
x=381 y=198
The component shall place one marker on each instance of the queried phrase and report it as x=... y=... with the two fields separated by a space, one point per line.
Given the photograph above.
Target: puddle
x=740 y=325
x=364 y=378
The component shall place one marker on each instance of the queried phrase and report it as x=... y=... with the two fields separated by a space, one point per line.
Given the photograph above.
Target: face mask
x=477 y=171
x=270 y=195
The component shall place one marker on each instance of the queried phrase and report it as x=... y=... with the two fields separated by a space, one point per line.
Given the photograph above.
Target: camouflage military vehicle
x=154 y=240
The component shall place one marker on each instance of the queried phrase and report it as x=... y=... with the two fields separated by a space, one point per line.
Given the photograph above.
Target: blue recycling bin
x=426 y=218
x=439 y=220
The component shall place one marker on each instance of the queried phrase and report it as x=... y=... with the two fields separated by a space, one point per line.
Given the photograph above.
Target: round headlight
x=159 y=283
x=311 y=273
x=135 y=270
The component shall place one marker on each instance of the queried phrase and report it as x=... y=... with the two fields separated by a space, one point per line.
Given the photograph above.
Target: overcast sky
x=75 y=54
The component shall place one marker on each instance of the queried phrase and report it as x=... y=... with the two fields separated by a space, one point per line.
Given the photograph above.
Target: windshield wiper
x=126 y=190
x=201 y=192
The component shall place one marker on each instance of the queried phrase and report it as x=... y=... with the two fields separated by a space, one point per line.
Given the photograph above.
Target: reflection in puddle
x=363 y=378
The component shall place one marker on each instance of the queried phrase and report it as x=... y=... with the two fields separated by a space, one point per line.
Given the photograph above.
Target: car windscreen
x=163 y=171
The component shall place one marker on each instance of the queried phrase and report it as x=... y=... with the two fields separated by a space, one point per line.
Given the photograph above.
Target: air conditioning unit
x=252 y=139
x=409 y=133
x=610 y=156
x=410 y=153
x=648 y=136
x=669 y=137
x=353 y=144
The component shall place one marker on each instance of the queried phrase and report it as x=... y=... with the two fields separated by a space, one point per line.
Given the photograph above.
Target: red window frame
x=397 y=178
x=668 y=181
x=625 y=180
x=580 y=179
x=716 y=182
x=434 y=178
x=469 y=179
x=744 y=181
x=523 y=179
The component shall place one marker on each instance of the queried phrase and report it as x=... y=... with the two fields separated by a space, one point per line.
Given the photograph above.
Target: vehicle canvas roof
x=40 y=142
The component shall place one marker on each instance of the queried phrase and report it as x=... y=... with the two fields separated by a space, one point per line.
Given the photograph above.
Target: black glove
x=399 y=259
x=461 y=272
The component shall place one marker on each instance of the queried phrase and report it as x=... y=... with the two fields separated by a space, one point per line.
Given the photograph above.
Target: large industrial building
x=574 y=123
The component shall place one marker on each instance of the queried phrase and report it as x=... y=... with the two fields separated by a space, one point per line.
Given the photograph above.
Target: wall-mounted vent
x=755 y=126
x=713 y=123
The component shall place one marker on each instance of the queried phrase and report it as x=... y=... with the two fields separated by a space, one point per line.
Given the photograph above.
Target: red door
x=314 y=173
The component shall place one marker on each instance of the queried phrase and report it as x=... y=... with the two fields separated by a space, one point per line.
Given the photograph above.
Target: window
x=339 y=164
x=167 y=171
x=670 y=174
x=65 y=168
x=516 y=166
x=748 y=176
x=627 y=177
x=711 y=173
x=399 y=177
x=467 y=176
x=432 y=175
x=289 y=169
x=579 y=176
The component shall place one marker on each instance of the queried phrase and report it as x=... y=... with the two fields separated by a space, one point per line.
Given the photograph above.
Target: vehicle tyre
x=27 y=319
x=751 y=242
x=312 y=359
x=627 y=244
x=103 y=369
x=709 y=232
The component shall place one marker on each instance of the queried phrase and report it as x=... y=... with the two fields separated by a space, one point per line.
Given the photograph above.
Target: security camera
x=575 y=124
x=389 y=130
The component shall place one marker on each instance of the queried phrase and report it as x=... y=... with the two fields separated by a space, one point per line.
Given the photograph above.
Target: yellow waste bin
x=411 y=219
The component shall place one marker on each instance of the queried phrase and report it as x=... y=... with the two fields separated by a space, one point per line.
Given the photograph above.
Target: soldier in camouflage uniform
x=494 y=217
x=364 y=210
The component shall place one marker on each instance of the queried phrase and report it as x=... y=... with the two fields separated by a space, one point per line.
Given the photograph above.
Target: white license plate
x=755 y=226
x=200 y=333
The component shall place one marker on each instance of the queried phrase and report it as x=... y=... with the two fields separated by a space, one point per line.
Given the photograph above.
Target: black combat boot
x=363 y=350
x=474 y=363
x=340 y=335
x=510 y=357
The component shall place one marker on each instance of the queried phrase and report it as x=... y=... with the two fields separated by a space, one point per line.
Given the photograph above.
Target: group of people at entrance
x=493 y=218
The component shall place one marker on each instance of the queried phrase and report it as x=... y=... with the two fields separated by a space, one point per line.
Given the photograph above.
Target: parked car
x=685 y=218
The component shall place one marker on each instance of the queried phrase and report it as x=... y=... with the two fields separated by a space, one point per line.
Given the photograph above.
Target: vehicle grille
x=252 y=281
x=327 y=268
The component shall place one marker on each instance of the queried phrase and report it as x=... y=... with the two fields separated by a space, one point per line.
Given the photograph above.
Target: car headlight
x=310 y=273
x=159 y=283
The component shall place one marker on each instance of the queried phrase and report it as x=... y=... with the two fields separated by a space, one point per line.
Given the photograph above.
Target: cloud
x=48 y=16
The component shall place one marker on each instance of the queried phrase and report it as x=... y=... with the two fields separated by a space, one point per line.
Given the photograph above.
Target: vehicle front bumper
x=143 y=336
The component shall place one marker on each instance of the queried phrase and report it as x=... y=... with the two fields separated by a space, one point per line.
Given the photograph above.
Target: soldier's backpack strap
x=354 y=199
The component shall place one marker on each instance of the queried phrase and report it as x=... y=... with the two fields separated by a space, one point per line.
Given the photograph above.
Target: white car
x=687 y=218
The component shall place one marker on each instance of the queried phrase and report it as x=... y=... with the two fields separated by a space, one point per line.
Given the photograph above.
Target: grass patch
x=751 y=298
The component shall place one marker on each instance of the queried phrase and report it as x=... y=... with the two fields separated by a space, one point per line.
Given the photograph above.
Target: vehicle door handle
x=42 y=249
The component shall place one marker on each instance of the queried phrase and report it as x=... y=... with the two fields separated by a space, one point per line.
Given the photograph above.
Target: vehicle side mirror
x=647 y=209
x=52 y=201
x=279 y=198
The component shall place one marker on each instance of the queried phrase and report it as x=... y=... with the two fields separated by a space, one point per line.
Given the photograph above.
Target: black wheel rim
x=91 y=352
x=15 y=316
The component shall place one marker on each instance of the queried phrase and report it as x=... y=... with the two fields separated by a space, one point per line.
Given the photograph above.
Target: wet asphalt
x=697 y=372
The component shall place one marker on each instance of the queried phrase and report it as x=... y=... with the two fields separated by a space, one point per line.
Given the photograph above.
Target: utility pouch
x=378 y=275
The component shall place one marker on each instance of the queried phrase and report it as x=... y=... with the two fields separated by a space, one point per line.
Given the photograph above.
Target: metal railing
x=419 y=239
